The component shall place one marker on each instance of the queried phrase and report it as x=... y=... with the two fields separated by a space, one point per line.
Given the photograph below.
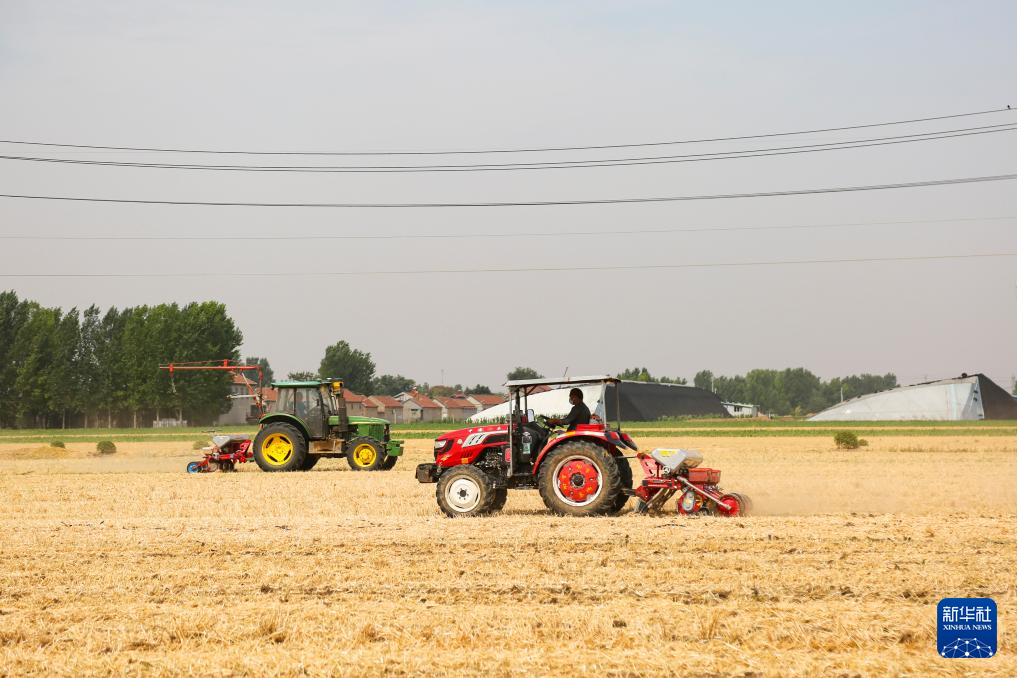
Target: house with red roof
x=418 y=407
x=483 y=401
x=387 y=407
x=456 y=409
x=354 y=403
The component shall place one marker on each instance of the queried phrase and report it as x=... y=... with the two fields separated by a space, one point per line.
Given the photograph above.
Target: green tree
x=302 y=376
x=62 y=379
x=703 y=380
x=479 y=389
x=524 y=373
x=391 y=384
x=207 y=333
x=267 y=375
x=353 y=366
x=35 y=347
x=110 y=391
x=14 y=314
x=802 y=390
x=87 y=371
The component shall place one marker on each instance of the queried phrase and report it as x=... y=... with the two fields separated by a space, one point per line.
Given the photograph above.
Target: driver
x=578 y=415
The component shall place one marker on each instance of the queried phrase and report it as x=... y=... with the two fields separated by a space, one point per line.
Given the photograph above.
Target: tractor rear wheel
x=280 y=447
x=626 y=483
x=580 y=478
x=310 y=461
x=365 y=454
x=465 y=491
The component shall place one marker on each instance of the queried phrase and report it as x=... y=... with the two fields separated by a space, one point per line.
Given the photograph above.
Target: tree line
x=792 y=391
x=92 y=368
x=358 y=370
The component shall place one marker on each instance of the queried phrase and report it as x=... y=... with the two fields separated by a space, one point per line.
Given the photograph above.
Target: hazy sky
x=400 y=75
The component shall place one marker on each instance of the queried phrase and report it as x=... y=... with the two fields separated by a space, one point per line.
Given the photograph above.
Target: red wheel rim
x=734 y=506
x=578 y=481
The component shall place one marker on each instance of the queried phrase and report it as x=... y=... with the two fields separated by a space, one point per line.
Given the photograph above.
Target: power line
x=531 y=203
x=527 y=269
x=562 y=164
x=152 y=149
x=510 y=234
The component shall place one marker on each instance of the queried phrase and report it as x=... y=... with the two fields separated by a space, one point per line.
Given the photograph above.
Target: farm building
x=966 y=398
x=387 y=407
x=640 y=401
x=354 y=403
x=741 y=409
x=418 y=407
x=456 y=409
x=485 y=400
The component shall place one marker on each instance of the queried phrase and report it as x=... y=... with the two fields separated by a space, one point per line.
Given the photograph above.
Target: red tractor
x=583 y=472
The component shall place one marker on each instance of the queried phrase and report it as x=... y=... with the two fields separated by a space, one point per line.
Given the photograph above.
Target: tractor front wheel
x=310 y=461
x=466 y=491
x=365 y=454
x=389 y=462
x=580 y=478
x=280 y=447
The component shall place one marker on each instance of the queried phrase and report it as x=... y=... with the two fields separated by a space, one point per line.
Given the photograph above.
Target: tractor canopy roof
x=544 y=381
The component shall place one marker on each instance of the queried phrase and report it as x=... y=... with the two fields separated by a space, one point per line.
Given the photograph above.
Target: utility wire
x=524 y=234
x=527 y=269
x=541 y=149
x=530 y=203
x=563 y=164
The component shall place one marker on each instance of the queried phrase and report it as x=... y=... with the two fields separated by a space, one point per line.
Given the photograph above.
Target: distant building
x=354 y=403
x=388 y=407
x=456 y=409
x=485 y=400
x=418 y=407
x=741 y=409
x=965 y=398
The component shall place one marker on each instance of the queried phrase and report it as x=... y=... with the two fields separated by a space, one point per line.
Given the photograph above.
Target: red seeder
x=669 y=472
x=225 y=453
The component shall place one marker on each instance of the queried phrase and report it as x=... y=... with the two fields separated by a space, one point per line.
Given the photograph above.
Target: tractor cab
x=578 y=472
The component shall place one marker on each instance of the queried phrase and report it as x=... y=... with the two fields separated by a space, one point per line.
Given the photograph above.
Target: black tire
x=275 y=462
x=626 y=483
x=389 y=463
x=500 y=497
x=464 y=492
x=599 y=461
x=365 y=454
x=310 y=461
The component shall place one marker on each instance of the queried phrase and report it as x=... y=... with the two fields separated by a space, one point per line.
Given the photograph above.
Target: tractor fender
x=282 y=418
x=595 y=437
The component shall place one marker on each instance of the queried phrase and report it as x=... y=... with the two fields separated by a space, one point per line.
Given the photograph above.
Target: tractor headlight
x=441 y=446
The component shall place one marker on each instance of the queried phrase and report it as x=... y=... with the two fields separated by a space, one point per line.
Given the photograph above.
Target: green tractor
x=309 y=422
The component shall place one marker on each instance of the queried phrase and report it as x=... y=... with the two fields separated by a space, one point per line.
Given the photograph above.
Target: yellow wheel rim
x=277 y=449
x=365 y=454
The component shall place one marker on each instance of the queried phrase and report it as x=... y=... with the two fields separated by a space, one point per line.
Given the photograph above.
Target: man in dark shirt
x=579 y=415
